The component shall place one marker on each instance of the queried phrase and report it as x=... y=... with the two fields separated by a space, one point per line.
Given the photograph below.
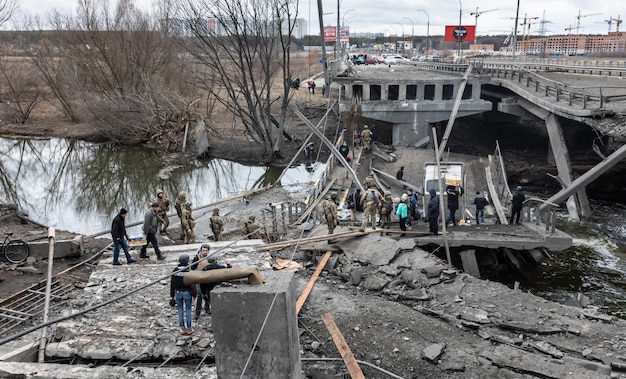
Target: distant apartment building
x=570 y=44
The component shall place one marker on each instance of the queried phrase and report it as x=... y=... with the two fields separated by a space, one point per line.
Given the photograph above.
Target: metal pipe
x=46 y=308
x=222 y=275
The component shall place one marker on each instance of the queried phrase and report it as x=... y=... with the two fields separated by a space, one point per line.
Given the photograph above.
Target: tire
x=16 y=251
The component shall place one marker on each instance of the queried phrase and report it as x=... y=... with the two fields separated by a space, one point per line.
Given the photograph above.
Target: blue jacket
x=402 y=210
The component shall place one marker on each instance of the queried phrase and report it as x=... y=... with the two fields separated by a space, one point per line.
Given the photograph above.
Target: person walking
x=330 y=213
x=481 y=202
x=188 y=224
x=386 y=207
x=370 y=200
x=182 y=294
x=217 y=224
x=344 y=150
x=453 y=203
x=118 y=232
x=164 y=207
x=366 y=138
x=200 y=261
x=150 y=223
x=354 y=204
x=402 y=213
x=433 y=212
x=400 y=173
x=208 y=287
x=516 y=205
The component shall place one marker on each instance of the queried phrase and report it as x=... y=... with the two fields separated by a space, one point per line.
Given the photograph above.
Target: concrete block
x=239 y=314
x=62 y=248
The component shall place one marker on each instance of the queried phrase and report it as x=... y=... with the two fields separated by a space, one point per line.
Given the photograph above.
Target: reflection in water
x=78 y=186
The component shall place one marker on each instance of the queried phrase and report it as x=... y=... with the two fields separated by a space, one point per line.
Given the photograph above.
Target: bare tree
x=19 y=86
x=7 y=9
x=123 y=68
x=244 y=47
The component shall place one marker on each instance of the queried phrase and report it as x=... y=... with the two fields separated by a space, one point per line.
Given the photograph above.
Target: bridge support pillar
x=578 y=204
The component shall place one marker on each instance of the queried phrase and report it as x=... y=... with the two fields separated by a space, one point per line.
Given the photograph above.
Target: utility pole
x=476 y=14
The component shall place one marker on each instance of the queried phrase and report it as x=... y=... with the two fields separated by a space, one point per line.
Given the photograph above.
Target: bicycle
x=15 y=251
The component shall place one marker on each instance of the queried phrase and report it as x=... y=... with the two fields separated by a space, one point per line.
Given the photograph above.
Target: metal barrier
x=320 y=183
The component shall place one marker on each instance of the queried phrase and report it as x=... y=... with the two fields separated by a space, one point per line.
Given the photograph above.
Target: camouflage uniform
x=181 y=199
x=386 y=206
x=252 y=228
x=330 y=211
x=366 y=138
x=164 y=207
x=188 y=223
x=371 y=207
x=217 y=225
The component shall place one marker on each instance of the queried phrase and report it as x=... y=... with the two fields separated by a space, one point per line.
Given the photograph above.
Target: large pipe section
x=222 y=275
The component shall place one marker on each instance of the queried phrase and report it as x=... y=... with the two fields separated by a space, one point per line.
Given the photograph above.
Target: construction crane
x=615 y=21
x=476 y=14
x=569 y=30
x=526 y=35
x=581 y=16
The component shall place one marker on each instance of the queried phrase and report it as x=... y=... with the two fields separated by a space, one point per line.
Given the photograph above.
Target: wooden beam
x=342 y=346
x=309 y=285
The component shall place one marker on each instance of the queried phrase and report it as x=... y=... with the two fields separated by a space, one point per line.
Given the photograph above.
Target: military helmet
x=252 y=218
x=158 y=191
x=387 y=193
x=365 y=126
x=334 y=195
x=182 y=194
x=216 y=211
x=183 y=259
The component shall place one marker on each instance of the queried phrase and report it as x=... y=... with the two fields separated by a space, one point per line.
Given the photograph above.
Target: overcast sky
x=395 y=17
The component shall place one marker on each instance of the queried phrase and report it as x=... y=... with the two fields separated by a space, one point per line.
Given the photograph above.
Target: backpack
x=350 y=201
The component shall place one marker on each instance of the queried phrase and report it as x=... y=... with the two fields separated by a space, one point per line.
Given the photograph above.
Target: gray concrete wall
x=238 y=316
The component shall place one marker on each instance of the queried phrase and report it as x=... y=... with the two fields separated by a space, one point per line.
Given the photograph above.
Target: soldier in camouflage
x=217 y=225
x=164 y=207
x=188 y=224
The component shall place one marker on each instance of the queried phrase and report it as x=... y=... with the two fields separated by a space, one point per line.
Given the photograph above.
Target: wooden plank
x=342 y=346
x=309 y=285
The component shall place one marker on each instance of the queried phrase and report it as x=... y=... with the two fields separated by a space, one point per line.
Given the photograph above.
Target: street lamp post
x=338 y=38
x=427 y=30
x=412 y=30
x=459 y=31
x=343 y=19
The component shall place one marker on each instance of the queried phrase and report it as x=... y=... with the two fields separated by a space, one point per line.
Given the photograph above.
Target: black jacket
x=433 y=206
x=207 y=287
x=480 y=202
x=118 y=227
x=518 y=199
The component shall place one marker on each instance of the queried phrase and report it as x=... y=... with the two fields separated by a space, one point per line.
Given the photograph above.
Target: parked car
x=396 y=59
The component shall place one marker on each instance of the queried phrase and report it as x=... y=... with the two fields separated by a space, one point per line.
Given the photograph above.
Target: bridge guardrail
x=520 y=74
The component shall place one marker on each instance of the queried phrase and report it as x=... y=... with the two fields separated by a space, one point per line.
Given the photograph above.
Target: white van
x=452 y=173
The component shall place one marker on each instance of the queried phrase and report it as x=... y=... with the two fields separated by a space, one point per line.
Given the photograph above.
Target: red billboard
x=330 y=34
x=454 y=33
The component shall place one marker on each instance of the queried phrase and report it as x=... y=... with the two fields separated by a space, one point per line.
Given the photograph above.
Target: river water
x=80 y=187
